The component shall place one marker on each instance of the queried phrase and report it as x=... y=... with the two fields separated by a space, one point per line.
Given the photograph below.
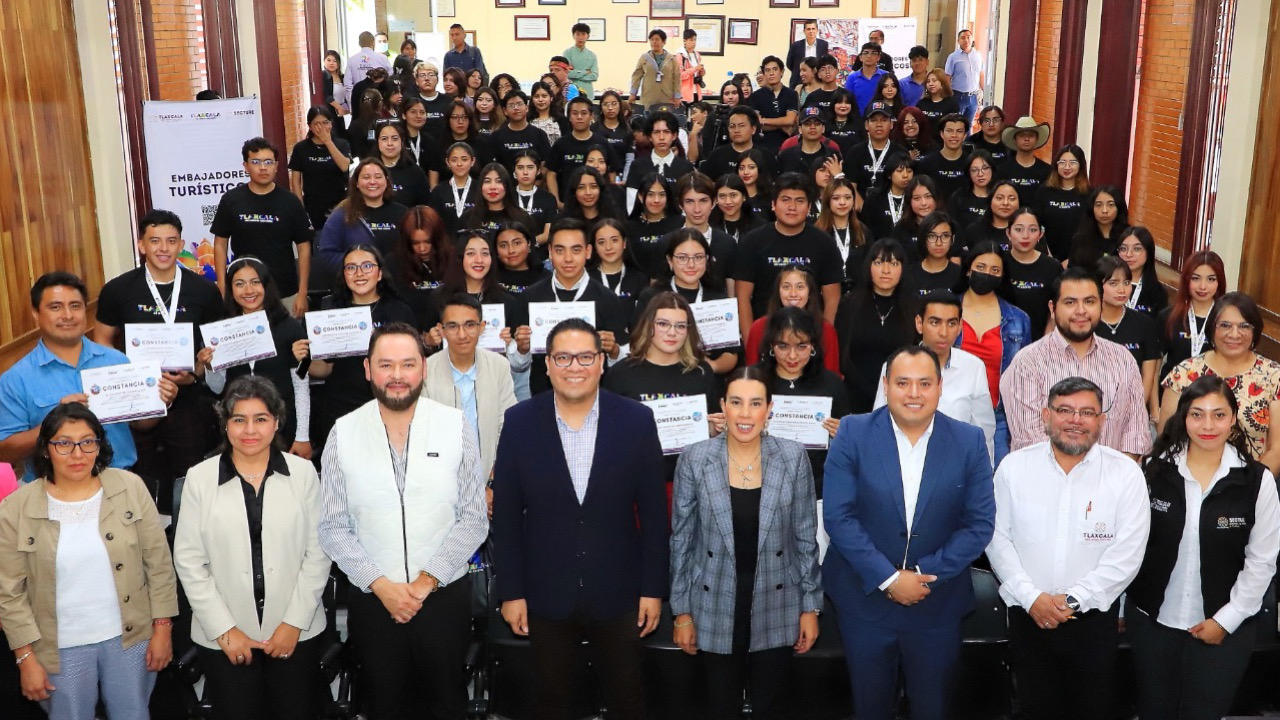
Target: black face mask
x=983 y=283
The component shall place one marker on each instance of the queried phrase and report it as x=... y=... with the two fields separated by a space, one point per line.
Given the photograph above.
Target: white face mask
x=380 y=47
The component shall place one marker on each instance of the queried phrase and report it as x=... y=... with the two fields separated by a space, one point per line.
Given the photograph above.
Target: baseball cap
x=810 y=113
x=880 y=107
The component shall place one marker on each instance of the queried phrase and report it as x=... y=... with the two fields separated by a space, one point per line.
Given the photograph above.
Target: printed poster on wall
x=193 y=157
x=845 y=37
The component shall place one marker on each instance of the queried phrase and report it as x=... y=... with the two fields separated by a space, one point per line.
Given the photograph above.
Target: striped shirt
x=580 y=447
x=341 y=541
x=1024 y=390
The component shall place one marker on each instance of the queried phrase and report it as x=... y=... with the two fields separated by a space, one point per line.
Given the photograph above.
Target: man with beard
x=1071 y=530
x=1073 y=350
x=404 y=512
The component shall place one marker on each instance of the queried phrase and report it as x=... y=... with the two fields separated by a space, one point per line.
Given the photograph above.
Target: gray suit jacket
x=703 y=573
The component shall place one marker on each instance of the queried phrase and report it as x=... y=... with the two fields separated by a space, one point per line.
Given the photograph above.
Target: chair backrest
x=178 y=483
x=989 y=621
x=1267 y=637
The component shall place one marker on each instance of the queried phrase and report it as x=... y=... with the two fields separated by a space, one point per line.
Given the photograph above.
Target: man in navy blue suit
x=580 y=527
x=909 y=504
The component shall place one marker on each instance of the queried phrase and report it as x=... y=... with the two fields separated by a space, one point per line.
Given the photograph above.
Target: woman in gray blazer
x=248 y=553
x=745 y=587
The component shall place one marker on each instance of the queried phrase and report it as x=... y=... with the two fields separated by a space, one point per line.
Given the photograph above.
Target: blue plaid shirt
x=580 y=447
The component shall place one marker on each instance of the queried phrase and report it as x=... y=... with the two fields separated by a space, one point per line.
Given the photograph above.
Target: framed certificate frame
x=533 y=27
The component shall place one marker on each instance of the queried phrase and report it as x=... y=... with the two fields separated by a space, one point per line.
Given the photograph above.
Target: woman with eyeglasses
x=795 y=286
x=1134 y=331
x=1029 y=273
x=409 y=184
x=360 y=283
x=745 y=584
x=873 y=321
x=474 y=272
x=1192 y=612
x=370 y=215
x=992 y=329
x=1138 y=250
x=1060 y=200
x=1235 y=328
x=247 y=550
x=1184 y=325
x=990 y=135
x=320 y=162
x=614 y=123
x=972 y=201
x=87 y=587
x=934 y=270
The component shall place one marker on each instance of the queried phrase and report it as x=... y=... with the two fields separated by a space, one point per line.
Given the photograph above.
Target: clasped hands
x=909 y=588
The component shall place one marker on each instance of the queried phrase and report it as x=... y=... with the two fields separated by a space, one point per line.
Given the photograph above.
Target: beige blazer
x=136 y=545
x=213 y=554
x=495 y=392
x=645 y=79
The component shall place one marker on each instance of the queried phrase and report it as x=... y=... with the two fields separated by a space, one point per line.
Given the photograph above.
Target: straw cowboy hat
x=1024 y=124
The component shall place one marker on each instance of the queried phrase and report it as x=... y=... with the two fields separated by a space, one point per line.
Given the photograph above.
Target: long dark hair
x=604 y=205
x=1148 y=242
x=799 y=322
x=628 y=261
x=753 y=373
x=1175 y=439
x=814 y=307
x=863 y=294
x=1088 y=244
x=711 y=277
x=455 y=277
x=764 y=178
x=909 y=221
x=426 y=219
x=1182 y=300
x=271 y=302
x=386 y=288
x=354 y=207
x=646 y=184
x=480 y=217
x=747 y=220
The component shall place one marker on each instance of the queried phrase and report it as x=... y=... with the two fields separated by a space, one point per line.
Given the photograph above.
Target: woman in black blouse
x=653 y=217
x=421 y=259
x=873 y=321
x=409 y=184
x=1105 y=218
x=934 y=270
x=612 y=263
x=1138 y=250
x=474 y=272
x=971 y=202
x=1060 y=200
x=993 y=226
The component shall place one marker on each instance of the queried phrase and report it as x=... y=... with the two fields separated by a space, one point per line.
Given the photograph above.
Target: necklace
x=1114 y=327
x=884 y=315
x=743 y=471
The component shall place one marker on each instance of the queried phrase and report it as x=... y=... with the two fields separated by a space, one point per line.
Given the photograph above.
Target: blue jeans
x=1002 y=435
x=120 y=675
x=968 y=107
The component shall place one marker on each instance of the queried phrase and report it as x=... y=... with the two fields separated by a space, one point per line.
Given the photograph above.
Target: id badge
x=658 y=77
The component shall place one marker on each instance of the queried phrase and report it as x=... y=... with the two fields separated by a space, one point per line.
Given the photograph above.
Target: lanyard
x=843 y=242
x=1133 y=296
x=896 y=212
x=415 y=147
x=520 y=196
x=459 y=195
x=577 y=294
x=1197 y=333
x=676 y=290
x=622 y=275
x=877 y=162
x=170 y=313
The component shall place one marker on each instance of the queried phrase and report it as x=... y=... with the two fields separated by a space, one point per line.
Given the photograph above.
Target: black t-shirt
x=998 y=151
x=1059 y=212
x=764 y=252
x=517 y=282
x=948 y=175
x=505 y=143
x=795 y=159
x=978 y=231
x=626 y=285
x=770 y=105
x=1177 y=347
x=285 y=331
x=437 y=116
x=127 y=299
x=859 y=166
x=823 y=100
x=444 y=202
x=847 y=134
x=1027 y=179
x=823 y=383
x=875 y=211
x=648 y=244
x=1152 y=298
x=966 y=208
x=1136 y=332
x=569 y=153
x=675 y=168
x=409 y=184
x=1029 y=288
x=619 y=139
x=935 y=110
x=323 y=184
x=724 y=161
x=917 y=280
x=267 y=227
x=423 y=151
x=384 y=225
x=542 y=209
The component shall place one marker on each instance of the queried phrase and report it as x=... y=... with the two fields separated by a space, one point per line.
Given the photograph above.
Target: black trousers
x=1066 y=672
x=418 y=669
x=616 y=652
x=765 y=674
x=1181 y=678
x=267 y=688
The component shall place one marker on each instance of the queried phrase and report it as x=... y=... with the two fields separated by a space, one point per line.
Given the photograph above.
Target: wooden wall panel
x=47 y=217
x=1260 y=259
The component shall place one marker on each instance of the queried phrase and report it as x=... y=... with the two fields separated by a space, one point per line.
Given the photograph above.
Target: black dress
x=868 y=333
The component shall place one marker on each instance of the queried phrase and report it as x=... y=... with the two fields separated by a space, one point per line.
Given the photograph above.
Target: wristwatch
x=1073 y=603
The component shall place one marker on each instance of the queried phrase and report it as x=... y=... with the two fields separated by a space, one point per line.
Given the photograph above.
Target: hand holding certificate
x=682 y=421
x=238 y=340
x=120 y=393
x=799 y=418
x=172 y=345
x=717 y=322
x=543 y=316
x=495 y=318
x=339 y=333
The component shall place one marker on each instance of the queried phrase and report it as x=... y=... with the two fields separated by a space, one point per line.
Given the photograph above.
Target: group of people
x=1005 y=375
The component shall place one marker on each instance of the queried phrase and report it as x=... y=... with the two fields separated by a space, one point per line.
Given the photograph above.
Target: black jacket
x=795 y=56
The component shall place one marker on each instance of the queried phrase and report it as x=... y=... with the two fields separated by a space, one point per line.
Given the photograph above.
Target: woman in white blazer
x=249 y=558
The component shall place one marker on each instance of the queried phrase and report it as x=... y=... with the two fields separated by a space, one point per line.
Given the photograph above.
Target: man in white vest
x=404 y=512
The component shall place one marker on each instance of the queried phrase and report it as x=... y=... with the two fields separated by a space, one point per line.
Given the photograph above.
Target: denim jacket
x=1015 y=332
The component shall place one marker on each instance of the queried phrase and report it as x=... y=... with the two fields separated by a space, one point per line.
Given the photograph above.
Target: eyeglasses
x=1067 y=413
x=363 y=268
x=979 y=169
x=689 y=259
x=786 y=348
x=262 y=162
x=939 y=238
x=585 y=359
x=88 y=446
x=1130 y=249
x=992 y=120
x=428 y=73
x=470 y=327
x=1226 y=327
x=667 y=326
x=459 y=117
x=1069 y=163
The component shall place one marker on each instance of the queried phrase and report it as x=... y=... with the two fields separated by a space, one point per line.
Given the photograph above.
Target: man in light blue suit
x=909 y=504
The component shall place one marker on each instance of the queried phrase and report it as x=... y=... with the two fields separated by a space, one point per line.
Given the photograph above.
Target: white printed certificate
x=238 y=340
x=799 y=418
x=718 y=323
x=339 y=333
x=682 y=421
x=120 y=393
x=171 y=345
x=543 y=316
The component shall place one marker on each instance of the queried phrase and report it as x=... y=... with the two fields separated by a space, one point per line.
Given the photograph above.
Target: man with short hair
x=908 y=503
x=824 y=97
x=662 y=128
x=964 y=70
x=863 y=83
x=948 y=165
x=809 y=46
x=1022 y=168
x=790 y=239
x=966 y=395
x=1072 y=519
x=517 y=135
x=886 y=60
x=403 y=514
x=658 y=73
x=570 y=151
x=865 y=162
x=559 y=67
x=569 y=251
x=776 y=104
x=1073 y=350
x=584 y=67
x=382 y=45
x=161 y=290
x=743 y=126
x=812 y=146
x=50 y=374
x=426 y=77
x=461 y=55
x=580 y=528
x=365 y=59
x=913 y=84
x=265 y=220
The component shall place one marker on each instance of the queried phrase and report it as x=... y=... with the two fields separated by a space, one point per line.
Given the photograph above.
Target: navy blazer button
x=778 y=587
x=706 y=589
x=110 y=536
x=779 y=553
x=710 y=554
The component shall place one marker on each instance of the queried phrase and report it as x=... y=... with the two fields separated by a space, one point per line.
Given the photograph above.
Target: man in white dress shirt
x=1072 y=521
x=965 y=394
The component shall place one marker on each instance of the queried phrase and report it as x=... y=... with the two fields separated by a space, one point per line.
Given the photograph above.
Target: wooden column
x=221 y=48
x=1020 y=59
x=1113 y=105
x=271 y=95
